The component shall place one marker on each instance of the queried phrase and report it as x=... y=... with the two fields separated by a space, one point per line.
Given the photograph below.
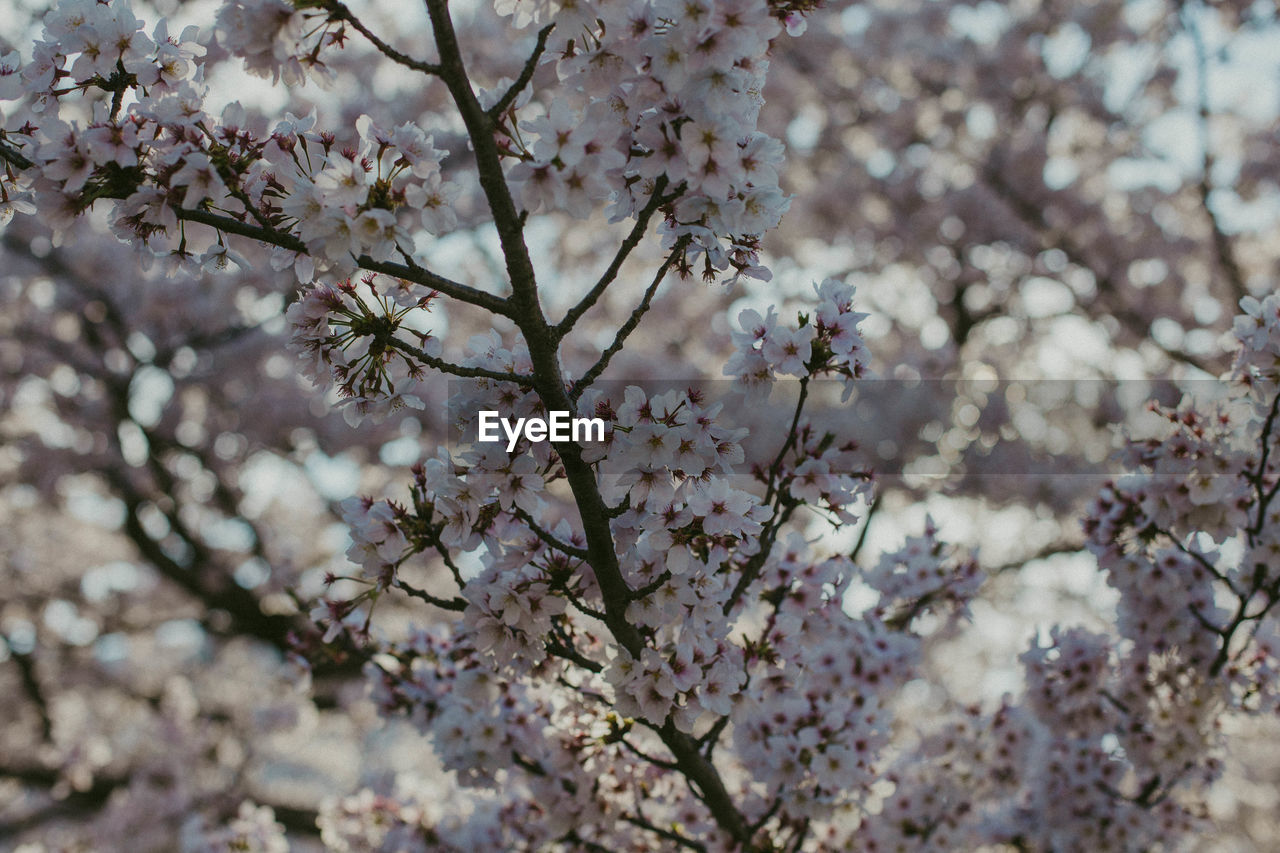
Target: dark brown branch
x=242 y=606
x=792 y=435
x=90 y=800
x=31 y=686
x=488 y=160
x=14 y=157
x=668 y=834
x=1053 y=549
x=540 y=337
x=96 y=796
x=773 y=493
x=1223 y=251
x=628 y=245
x=546 y=537
x=447 y=559
x=764 y=818
x=526 y=74
x=652 y=586
x=339 y=12
x=707 y=743
x=1258 y=477
x=572 y=837
x=644 y=756
x=456 y=369
x=274 y=237
x=630 y=325
x=205 y=579
x=866 y=526
x=415 y=273
x=566 y=652
x=455 y=604
x=1033 y=215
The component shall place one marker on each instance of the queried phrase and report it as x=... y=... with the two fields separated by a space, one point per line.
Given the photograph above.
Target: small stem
x=630 y=325
x=339 y=12
x=455 y=604
x=632 y=240
x=526 y=74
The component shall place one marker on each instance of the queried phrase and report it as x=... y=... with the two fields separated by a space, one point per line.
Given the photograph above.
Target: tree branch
x=488 y=160
x=751 y=569
x=14 y=157
x=866 y=526
x=546 y=537
x=668 y=834
x=274 y=237
x=1032 y=214
x=455 y=604
x=543 y=344
x=566 y=652
x=630 y=325
x=26 y=664
x=339 y=12
x=628 y=245
x=526 y=74
x=452 y=369
x=1223 y=249
x=415 y=273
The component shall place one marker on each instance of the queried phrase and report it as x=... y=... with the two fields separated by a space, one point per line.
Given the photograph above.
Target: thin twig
x=1259 y=477
x=792 y=435
x=866 y=526
x=669 y=834
x=14 y=157
x=285 y=240
x=526 y=74
x=456 y=369
x=567 y=652
x=773 y=494
x=1223 y=250
x=632 y=240
x=630 y=325
x=339 y=12
x=35 y=692
x=654 y=760
x=455 y=604
x=546 y=536
x=416 y=274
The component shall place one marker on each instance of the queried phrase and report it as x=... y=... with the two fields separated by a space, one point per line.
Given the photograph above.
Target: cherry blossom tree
x=668 y=638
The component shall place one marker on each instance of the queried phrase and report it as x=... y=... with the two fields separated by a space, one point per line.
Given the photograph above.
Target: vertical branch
x=543 y=342
x=480 y=129
x=1223 y=250
x=31 y=684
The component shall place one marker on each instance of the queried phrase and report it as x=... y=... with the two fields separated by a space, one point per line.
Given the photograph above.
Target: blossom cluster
x=413 y=818
x=689 y=540
x=643 y=643
x=925 y=576
x=279 y=39
x=1258 y=330
x=360 y=202
x=562 y=755
x=1067 y=680
x=825 y=342
x=346 y=335
x=1117 y=736
x=658 y=108
x=159 y=151
x=254 y=828
x=815 y=722
x=661 y=104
